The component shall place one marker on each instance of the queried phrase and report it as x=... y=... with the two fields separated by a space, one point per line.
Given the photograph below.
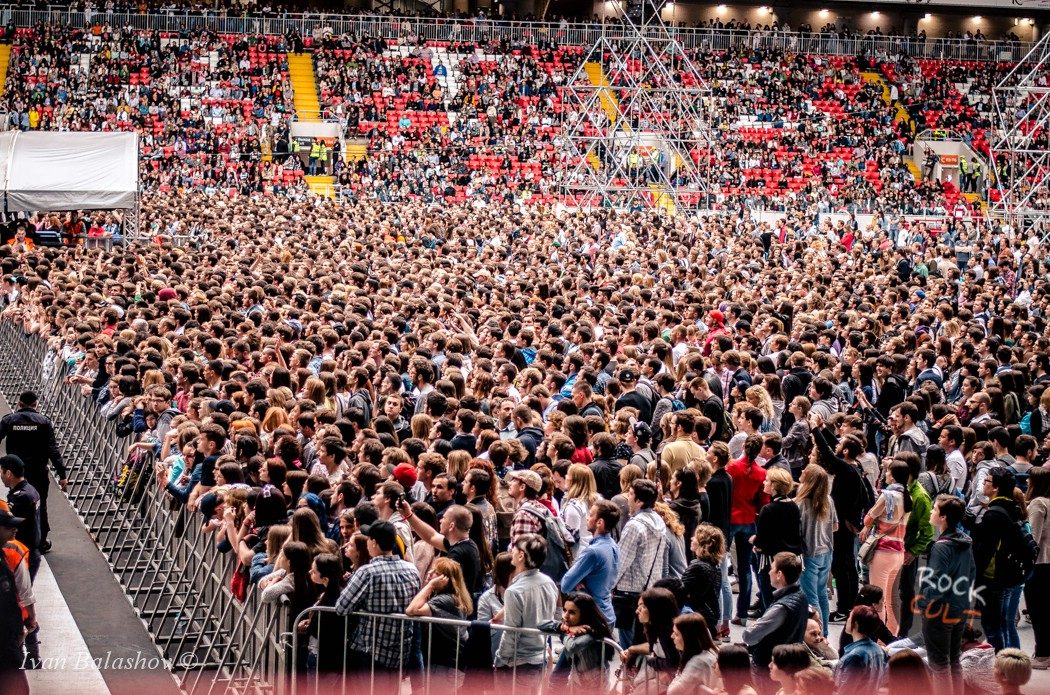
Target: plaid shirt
x=527 y=522
x=643 y=552
x=386 y=584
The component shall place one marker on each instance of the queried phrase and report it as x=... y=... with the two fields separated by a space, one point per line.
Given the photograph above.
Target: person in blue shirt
x=863 y=665
x=599 y=563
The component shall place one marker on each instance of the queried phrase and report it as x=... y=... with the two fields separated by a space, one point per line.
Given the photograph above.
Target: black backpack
x=1015 y=557
x=559 y=555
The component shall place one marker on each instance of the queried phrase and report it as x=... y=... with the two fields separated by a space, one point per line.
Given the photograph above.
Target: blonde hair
x=670 y=517
x=703 y=471
x=658 y=471
x=629 y=474
x=458 y=463
x=421 y=424
x=760 y=398
x=1013 y=667
x=711 y=542
x=456 y=584
x=582 y=485
x=780 y=480
x=152 y=377
x=815 y=487
x=315 y=390
x=275 y=539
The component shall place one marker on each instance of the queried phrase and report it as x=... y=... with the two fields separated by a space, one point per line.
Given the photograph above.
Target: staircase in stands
x=5 y=60
x=308 y=110
x=607 y=99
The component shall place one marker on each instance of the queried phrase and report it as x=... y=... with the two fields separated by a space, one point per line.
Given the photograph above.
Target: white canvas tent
x=52 y=171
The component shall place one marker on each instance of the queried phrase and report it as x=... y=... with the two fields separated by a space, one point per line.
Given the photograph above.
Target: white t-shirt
x=957 y=468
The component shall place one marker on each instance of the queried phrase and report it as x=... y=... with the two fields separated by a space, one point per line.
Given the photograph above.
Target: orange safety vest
x=16 y=552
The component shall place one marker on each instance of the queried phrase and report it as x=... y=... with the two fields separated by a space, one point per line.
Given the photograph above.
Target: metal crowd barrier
x=424 y=677
x=171 y=571
x=486 y=30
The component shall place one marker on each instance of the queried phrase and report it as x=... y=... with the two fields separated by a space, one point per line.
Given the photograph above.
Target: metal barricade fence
x=171 y=570
x=416 y=670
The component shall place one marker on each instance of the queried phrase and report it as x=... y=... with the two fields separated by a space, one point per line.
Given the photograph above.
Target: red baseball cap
x=405 y=473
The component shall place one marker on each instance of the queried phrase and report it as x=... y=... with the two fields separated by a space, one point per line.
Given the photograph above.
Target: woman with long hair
x=702 y=581
x=686 y=499
x=759 y=397
x=819 y=524
x=1035 y=594
x=478 y=535
x=307 y=529
x=491 y=602
x=421 y=424
x=887 y=519
x=936 y=479
x=734 y=666
x=748 y=480
x=674 y=533
x=584 y=655
x=327 y=630
x=264 y=561
x=656 y=612
x=697 y=655
x=778 y=528
x=291 y=578
x=445 y=595
x=581 y=493
x=575 y=428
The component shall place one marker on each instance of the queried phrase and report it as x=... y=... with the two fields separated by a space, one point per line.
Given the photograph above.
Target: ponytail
x=752 y=448
x=900 y=473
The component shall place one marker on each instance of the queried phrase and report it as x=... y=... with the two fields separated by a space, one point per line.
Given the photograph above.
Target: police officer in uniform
x=31 y=437
x=24 y=501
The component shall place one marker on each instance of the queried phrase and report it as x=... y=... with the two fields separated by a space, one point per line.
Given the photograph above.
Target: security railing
x=179 y=582
x=465 y=672
x=567 y=33
x=170 y=569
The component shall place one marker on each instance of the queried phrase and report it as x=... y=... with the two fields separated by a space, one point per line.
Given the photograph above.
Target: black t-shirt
x=466 y=554
x=633 y=399
x=208 y=471
x=442 y=643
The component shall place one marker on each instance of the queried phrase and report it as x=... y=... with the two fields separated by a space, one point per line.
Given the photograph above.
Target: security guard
x=24 y=501
x=31 y=437
x=322 y=157
x=315 y=154
x=976 y=178
x=964 y=174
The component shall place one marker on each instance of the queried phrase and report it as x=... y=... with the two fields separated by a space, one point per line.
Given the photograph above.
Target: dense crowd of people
x=605 y=420
x=585 y=429
x=457 y=121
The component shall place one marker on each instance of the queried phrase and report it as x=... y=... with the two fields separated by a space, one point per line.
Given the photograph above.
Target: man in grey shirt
x=530 y=600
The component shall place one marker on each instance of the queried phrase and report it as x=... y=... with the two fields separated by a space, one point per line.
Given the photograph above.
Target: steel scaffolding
x=1021 y=143
x=638 y=127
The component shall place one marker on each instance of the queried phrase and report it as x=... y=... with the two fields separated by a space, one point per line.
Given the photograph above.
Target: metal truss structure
x=1021 y=143
x=638 y=126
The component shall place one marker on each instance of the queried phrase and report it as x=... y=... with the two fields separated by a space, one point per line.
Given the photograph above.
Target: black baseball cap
x=383 y=533
x=9 y=520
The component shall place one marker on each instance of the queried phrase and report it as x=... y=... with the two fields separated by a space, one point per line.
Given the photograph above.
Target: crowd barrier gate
x=177 y=580
x=171 y=572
